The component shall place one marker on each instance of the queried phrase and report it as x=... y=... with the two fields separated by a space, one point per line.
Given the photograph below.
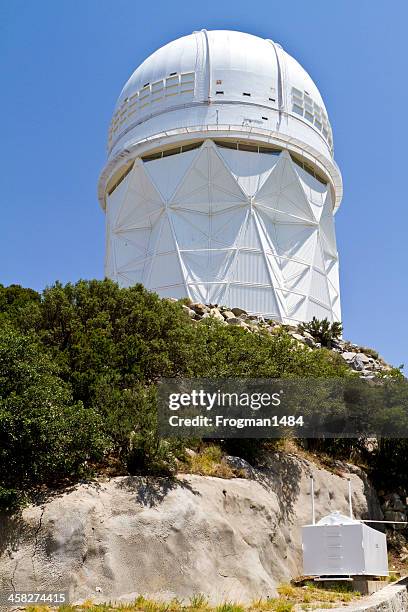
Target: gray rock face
x=231 y=539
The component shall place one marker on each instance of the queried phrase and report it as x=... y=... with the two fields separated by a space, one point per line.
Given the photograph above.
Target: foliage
x=323 y=331
x=78 y=371
x=44 y=435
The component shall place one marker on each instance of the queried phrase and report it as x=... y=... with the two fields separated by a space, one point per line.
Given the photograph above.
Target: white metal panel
x=342 y=546
x=333 y=550
x=375 y=552
x=217 y=242
x=250 y=169
x=167 y=172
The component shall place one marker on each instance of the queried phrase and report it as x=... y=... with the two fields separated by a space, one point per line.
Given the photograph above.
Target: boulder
x=357 y=363
x=236 y=463
x=298 y=337
x=348 y=355
x=238 y=312
x=199 y=308
x=191 y=313
x=228 y=314
x=363 y=358
x=215 y=313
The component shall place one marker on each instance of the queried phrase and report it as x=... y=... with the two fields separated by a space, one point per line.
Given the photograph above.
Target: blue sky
x=64 y=62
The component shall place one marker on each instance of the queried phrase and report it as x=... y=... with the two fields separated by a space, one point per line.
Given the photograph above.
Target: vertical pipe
x=350 y=502
x=313 y=500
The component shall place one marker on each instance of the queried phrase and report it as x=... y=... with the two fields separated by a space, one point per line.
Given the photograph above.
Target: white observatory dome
x=220 y=183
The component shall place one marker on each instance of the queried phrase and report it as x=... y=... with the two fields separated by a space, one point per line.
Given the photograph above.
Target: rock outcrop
x=363 y=360
x=113 y=539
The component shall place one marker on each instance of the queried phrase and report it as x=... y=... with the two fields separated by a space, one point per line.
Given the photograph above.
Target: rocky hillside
x=361 y=359
x=230 y=539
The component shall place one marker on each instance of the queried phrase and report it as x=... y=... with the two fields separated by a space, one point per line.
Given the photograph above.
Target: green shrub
x=323 y=331
x=44 y=435
x=84 y=378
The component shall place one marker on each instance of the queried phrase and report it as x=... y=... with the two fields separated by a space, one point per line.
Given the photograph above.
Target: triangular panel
x=318 y=261
x=166 y=173
x=165 y=271
x=162 y=237
x=114 y=201
x=251 y=267
x=141 y=203
x=296 y=275
x=249 y=237
x=191 y=229
x=134 y=275
x=204 y=266
x=319 y=289
x=208 y=185
x=314 y=190
x=249 y=168
x=282 y=191
x=127 y=252
x=296 y=241
x=295 y=305
x=226 y=226
x=327 y=227
x=261 y=300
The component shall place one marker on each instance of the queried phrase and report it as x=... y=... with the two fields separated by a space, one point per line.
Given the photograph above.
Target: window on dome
x=226 y=144
x=173 y=151
x=309 y=169
x=187 y=77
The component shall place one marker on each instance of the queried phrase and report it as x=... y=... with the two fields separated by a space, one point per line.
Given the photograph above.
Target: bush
x=81 y=363
x=323 y=331
x=44 y=436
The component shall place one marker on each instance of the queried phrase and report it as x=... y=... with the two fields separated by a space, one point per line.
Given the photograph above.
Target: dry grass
x=207 y=462
x=291 y=598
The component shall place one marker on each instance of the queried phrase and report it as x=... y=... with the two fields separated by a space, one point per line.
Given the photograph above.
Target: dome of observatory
x=224 y=78
x=220 y=184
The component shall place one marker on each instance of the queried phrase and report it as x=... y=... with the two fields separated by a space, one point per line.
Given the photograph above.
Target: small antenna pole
x=350 y=502
x=313 y=500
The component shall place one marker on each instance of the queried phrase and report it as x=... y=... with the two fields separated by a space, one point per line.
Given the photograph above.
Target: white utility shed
x=341 y=546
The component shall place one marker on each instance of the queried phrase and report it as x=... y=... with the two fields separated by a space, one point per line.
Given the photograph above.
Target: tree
x=44 y=435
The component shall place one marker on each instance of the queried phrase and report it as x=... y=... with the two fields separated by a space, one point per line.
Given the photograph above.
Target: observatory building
x=220 y=183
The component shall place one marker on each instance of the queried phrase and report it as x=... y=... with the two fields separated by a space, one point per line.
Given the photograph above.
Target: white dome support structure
x=220 y=183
